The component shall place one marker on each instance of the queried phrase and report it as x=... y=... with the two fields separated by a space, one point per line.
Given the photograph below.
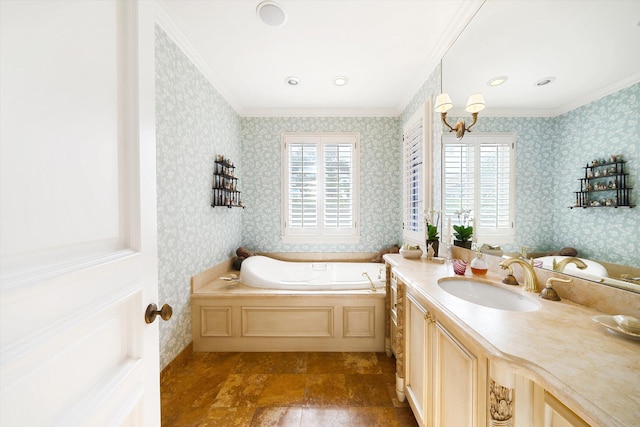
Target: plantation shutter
x=338 y=186
x=303 y=202
x=413 y=179
x=495 y=186
x=459 y=181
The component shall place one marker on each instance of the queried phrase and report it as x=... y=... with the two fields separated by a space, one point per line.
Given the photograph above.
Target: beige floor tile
x=280 y=417
x=361 y=363
x=283 y=390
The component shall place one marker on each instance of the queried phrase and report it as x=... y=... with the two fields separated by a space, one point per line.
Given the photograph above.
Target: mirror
x=570 y=95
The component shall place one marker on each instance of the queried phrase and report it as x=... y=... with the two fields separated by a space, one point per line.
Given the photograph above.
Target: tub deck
x=232 y=316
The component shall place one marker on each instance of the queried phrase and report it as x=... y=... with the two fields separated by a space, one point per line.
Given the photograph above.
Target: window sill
x=321 y=239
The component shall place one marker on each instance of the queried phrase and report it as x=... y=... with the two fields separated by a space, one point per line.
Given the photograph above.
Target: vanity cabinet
x=604 y=185
x=445 y=381
x=454 y=370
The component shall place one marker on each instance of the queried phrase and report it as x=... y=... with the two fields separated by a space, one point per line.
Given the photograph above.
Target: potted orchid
x=464 y=231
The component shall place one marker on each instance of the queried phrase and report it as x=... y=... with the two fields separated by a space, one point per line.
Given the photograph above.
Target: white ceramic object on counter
x=411 y=253
x=628 y=323
x=611 y=325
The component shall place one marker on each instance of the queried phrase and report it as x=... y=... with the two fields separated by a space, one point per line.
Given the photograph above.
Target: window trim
x=492 y=235
x=320 y=235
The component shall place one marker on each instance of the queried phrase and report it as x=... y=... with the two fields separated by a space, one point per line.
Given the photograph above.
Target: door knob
x=152 y=311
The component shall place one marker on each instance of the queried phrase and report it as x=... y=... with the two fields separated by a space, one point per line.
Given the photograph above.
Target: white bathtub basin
x=487 y=295
x=594 y=270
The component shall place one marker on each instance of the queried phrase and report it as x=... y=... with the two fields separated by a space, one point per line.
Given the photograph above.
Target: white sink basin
x=488 y=295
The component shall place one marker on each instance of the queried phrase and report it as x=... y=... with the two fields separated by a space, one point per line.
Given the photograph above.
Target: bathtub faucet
x=373 y=287
x=559 y=266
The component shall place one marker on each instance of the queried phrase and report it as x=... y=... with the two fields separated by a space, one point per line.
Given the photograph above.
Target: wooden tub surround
x=231 y=316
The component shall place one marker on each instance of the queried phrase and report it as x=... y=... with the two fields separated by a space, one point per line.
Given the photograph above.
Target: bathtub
x=290 y=306
x=264 y=272
x=594 y=270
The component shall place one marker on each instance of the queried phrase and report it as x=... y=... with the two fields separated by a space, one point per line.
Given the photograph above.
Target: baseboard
x=178 y=362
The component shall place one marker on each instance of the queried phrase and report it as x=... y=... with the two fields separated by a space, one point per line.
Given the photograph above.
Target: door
x=77 y=214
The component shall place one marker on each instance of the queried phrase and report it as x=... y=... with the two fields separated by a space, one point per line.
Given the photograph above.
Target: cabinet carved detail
x=501 y=405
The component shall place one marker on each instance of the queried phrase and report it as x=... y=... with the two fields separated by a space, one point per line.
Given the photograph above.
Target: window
x=416 y=182
x=320 y=187
x=479 y=176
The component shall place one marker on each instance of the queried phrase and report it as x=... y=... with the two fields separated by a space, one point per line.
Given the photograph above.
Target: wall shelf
x=225 y=184
x=605 y=185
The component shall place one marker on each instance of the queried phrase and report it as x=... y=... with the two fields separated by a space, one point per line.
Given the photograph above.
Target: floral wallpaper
x=194 y=123
x=380 y=196
x=610 y=125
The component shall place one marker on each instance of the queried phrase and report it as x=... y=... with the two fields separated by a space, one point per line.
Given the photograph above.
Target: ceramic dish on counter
x=411 y=253
x=612 y=326
x=628 y=323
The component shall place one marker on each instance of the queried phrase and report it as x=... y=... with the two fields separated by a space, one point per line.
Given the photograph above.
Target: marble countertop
x=594 y=372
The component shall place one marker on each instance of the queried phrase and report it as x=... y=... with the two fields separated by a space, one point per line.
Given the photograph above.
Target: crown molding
x=164 y=21
x=462 y=17
x=595 y=95
x=313 y=112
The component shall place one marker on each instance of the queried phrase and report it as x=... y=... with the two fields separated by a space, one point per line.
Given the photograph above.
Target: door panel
x=78 y=227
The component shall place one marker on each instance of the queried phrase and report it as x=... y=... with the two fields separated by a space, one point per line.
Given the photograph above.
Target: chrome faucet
x=530 y=278
x=373 y=287
x=559 y=266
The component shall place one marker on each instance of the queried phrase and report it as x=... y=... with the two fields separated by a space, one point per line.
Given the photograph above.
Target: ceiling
x=388 y=48
x=591 y=48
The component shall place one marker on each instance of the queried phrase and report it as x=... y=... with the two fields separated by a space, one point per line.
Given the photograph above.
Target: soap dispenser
x=478 y=264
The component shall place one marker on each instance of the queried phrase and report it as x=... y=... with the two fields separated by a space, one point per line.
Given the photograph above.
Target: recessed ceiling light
x=545 y=81
x=340 y=80
x=292 y=81
x=271 y=13
x=497 y=81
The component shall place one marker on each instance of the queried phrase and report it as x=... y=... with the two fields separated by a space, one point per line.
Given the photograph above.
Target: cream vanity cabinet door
x=393 y=314
x=456 y=385
x=558 y=415
x=418 y=329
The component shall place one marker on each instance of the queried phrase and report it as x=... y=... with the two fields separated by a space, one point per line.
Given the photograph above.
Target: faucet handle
x=548 y=292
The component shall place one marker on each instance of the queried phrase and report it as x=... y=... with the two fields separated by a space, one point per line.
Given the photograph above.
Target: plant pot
x=460 y=243
x=434 y=244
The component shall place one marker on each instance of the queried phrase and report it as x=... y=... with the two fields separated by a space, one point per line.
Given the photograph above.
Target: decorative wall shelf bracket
x=225 y=184
x=605 y=185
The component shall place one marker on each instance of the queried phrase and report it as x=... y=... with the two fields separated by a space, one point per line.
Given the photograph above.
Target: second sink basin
x=487 y=295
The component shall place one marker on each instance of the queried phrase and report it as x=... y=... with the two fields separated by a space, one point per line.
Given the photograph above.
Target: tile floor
x=284 y=389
